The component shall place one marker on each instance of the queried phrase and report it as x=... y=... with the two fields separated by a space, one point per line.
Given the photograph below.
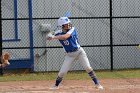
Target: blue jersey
x=70 y=43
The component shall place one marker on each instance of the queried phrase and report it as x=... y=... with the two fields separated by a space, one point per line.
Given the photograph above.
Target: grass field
x=80 y=75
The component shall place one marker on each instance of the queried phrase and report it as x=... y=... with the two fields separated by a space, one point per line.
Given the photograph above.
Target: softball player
x=69 y=40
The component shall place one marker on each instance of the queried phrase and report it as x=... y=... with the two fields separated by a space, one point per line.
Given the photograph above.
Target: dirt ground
x=72 y=86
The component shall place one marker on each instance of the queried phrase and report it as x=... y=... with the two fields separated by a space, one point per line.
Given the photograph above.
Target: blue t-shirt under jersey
x=70 y=43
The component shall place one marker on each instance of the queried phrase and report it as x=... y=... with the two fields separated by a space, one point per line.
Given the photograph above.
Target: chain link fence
x=108 y=30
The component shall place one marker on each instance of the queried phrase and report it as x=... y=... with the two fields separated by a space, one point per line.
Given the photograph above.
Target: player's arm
x=62 y=37
x=59 y=37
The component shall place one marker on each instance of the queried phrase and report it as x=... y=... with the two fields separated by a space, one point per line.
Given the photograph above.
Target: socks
x=58 y=80
x=93 y=77
x=91 y=74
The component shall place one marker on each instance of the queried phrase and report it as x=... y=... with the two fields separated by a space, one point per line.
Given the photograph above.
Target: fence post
x=31 y=34
x=1 y=70
x=111 y=37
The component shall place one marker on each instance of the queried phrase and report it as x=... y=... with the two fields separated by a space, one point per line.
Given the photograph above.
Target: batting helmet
x=63 y=20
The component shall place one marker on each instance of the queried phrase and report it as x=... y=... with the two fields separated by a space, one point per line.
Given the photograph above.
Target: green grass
x=79 y=75
x=120 y=74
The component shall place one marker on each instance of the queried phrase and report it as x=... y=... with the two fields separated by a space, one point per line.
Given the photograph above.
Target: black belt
x=73 y=50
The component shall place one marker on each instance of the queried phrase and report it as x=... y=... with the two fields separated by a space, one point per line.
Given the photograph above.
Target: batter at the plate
x=69 y=39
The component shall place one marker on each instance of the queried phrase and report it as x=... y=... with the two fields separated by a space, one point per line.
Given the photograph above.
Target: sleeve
x=70 y=31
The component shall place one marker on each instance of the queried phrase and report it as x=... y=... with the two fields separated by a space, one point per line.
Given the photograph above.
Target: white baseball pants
x=71 y=57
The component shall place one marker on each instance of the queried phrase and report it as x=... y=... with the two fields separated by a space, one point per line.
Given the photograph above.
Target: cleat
x=99 y=87
x=54 y=87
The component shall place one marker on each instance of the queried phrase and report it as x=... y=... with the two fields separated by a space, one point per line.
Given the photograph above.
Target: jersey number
x=66 y=42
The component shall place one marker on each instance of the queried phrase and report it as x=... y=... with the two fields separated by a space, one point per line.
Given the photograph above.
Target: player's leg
x=64 y=69
x=85 y=63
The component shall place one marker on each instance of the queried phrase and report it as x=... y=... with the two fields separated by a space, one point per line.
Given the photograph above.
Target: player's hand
x=50 y=38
